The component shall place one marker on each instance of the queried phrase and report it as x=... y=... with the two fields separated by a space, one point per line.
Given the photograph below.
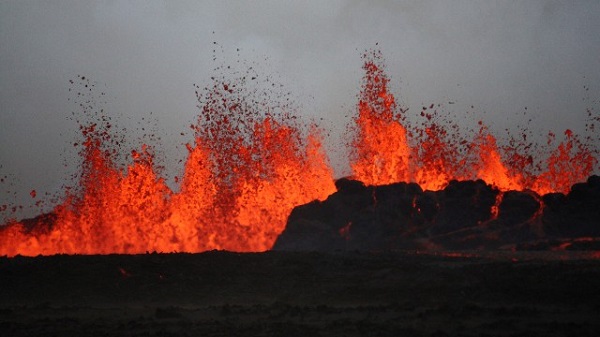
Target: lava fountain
x=384 y=153
x=252 y=162
x=244 y=173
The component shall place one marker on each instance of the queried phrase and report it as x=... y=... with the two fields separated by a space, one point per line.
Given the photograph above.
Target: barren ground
x=301 y=294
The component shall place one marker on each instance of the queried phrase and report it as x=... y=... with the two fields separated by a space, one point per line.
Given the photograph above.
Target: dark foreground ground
x=301 y=294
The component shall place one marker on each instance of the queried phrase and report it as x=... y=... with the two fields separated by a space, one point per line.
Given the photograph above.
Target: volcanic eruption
x=253 y=161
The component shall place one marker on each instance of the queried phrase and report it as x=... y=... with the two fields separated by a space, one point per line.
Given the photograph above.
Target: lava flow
x=251 y=163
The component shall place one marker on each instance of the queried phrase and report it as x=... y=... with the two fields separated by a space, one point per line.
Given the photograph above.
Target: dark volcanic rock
x=579 y=213
x=356 y=217
x=518 y=207
x=311 y=227
x=576 y=214
x=464 y=215
x=463 y=204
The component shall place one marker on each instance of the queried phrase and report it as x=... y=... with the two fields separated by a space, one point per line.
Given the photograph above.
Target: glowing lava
x=244 y=174
x=251 y=164
x=384 y=153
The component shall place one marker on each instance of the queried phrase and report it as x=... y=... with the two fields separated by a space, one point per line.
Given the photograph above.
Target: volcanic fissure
x=253 y=163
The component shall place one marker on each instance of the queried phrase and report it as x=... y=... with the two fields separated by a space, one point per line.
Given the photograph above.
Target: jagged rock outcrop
x=464 y=215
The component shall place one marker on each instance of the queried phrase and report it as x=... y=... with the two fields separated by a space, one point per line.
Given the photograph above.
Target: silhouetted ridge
x=464 y=215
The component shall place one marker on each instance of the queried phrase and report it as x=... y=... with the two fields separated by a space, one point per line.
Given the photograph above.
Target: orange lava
x=236 y=192
x=384 y=154
x=570 y=163
x=249 y=167
x=381 y=143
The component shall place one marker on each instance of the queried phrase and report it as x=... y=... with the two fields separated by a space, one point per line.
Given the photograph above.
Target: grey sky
x=499 y=56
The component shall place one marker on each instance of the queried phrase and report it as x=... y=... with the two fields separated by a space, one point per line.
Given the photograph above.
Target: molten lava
x=241 y=179
x=251 y=164
x=384 y=153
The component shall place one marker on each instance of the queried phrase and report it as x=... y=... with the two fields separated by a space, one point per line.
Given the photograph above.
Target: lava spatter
x=246 y=170
x=384 y=151
x=252 y=161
